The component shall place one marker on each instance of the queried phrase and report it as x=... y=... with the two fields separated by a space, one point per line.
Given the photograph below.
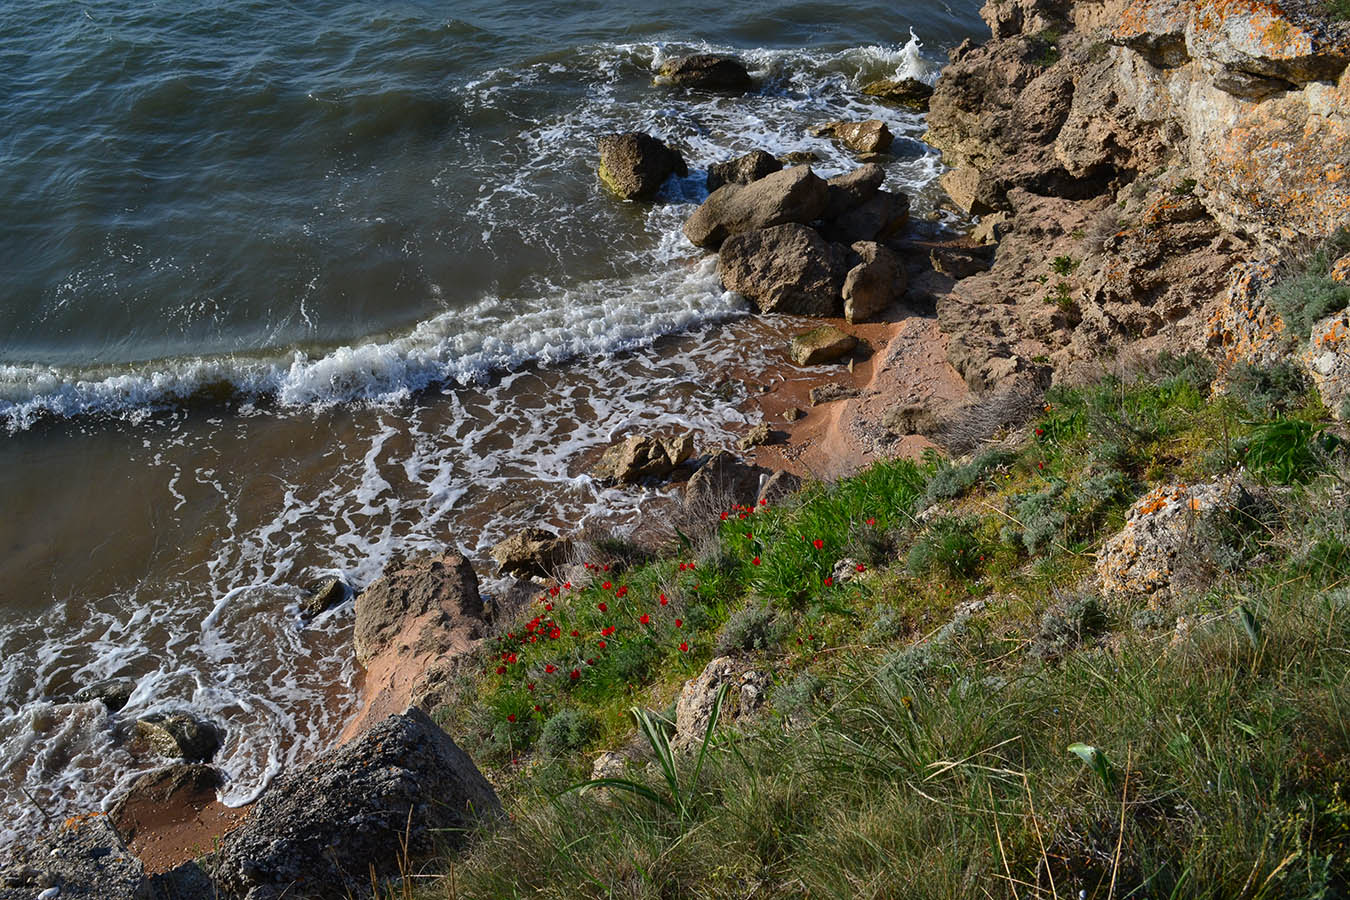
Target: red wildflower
x=679 y=623
x=684 y=647
x=567 y=586
x=511 y=717
x=530 y=686
x=602 y=644
x=817 y=543
x=621 y=592
x=606 y=586
x=664 y=601
x=575 y=674
x=590 y=662
x=724 y=518
x=602 y=607
x=764 y=501
x=511 y=658
x=553 y=591
x=576 y=633
x=555 y=634
x=862 y=568
x=548 y=607
x=538 y=708
x=871 y=521
x=501 y=670
x=550 y=669
x=644 y=618
x=829 y=581
x=755 y=561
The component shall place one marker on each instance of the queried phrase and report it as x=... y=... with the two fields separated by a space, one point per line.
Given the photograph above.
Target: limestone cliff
x=1145 y=161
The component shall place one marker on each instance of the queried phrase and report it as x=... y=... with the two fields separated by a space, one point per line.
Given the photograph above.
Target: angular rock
x=397 y=791
x=635 y=165
x=911 y=418
x=83 y=859
x=829 y=393
x=429 y=593
x=871 y=136
x=707 y=71
x=756 y=436
x=530 y=551
x=179 y=735
x=323 y=594
x=851 y=190
x=910 y=92
x=792 y=195
x=874 y=284
x=722 y=482
x=990 y=229
x=639 y=457
x=113 y=693
x=957 y=263
x=1327 y=361
x=786 y=269
x=163 y=792
x=743 y=169
x=693 y=708
x=821 y=345
x=879 y=218
x=793 y=414
x=779 y=486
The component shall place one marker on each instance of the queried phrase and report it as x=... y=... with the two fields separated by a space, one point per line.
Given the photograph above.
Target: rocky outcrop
x=786 y=269
x=707 y=71
x=871 y=136
x=531 y=552
x=879 y=218
x=642 y=457
x=427 y=609
x=1327 y=361
x=746 y=692
x=792 y=195
x=875 y=283
x=821 y=345
x=722 y=482
x=909 y=92
x=84 y=859
x=397 y=792
x=179 y=735
x=743 y=169
x=635 y=165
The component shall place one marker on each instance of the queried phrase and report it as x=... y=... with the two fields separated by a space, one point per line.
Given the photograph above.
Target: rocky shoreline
x=1136 y=168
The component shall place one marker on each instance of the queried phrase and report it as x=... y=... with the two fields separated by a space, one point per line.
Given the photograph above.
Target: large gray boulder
x=635 y=165
x=743 y=169
x=851 y=190
x=401 y=789
x=792 y=195
x=707 y=71
x=786 y=269
x=876 y=282
x=83 y=859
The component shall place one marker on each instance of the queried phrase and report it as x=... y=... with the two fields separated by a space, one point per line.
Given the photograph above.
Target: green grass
x=1306 y=293
x=915 y=739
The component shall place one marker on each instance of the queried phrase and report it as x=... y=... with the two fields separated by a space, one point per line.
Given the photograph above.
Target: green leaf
x=1096 y=761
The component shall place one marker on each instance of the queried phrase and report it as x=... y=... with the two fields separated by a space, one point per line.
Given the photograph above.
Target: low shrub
x=753 y=628
x=889 y=623
x=949 y=545
x=1067 y=625
x=567 y=731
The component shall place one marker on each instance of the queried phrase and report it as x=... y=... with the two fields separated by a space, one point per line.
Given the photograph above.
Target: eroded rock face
x=1141 y=560
x=722 y=482
x=875 y=283
x=640 y=457
x=318 y=831
x=707 y=71
x=743 y=169
x=1327 y=361
x=635 y=165
x=530 y=552
x=787 y=269
x=792 y=195
x=746 y=689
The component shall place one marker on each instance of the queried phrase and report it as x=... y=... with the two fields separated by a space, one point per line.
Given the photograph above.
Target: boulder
x=180 y=735
x=756 y=436
x=878 y=219
x=871 y=136
x=399 y=791
x=832 y=391
x=635 y=165
x=639 y=457
x=875 y=283
x=530 y=552
x=779 y=486
x=792 y=414
x=909 y=418
x=791 y=195
x=821 y=345
x=321 y=595
x=708 y=72
x=991 y=228
x=694 y=707
x=743 y=169
x=113 y=693
x=170 y=793
x=786 y=269
x=416 y=605
x=722 y=482
x=851 y=190
x=910 y=92
x=83 y=859
x=959 y=262
x=1141 y=559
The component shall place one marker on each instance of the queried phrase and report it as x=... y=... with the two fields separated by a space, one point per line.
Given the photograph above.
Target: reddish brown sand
x=164 y=833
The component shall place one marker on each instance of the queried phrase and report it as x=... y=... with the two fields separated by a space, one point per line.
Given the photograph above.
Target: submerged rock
x=871 y=136
x=745 y=169
x=909 y=92
x=821 y=345
x=530 y=551
x=179 y=735
x=707 y=71
x=113 y=693
x=398 y=791
x=323 y=594
x=786 y=269
x=792 y=195
x=635 y=165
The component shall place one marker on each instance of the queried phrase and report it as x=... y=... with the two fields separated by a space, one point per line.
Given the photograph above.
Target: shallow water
x=290 y=291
